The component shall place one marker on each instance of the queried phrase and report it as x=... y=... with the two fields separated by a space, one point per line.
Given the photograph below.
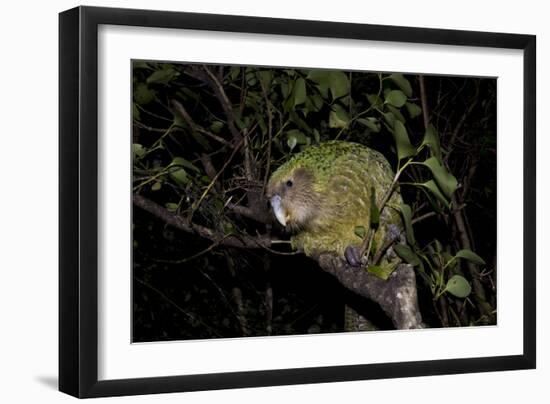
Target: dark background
x=184 y=288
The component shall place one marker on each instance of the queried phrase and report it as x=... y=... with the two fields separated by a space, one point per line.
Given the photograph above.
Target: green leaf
x=338 y=117
x=295 y=137
x=458 y=286
x=398 y=115
x=434 y=190
x=163 y=76
x=402 y=83
x=360 y=231
x=140 y=64
x=251 y=100
x=321 y=78
x=265 y=77
x=291 y=142
x=234 y=72
x=431 y=139
x=413 y=109
x=335 y=81
x=316 y=135
x=135 y=111
x=238 y=119
x=405 y=252
x=156 y=186
x=143 y=94
x=339 y=84
x=263 y=128
x=250 y=77
x=302 y=125
x=228 y=228
x=433 y=201
x=374 y=211
x=407 y=218
x=172 y=207
x=138 y=150
x=390 y=119
x=381 y=271
x=404 y=146
x=300 y=93
x=346 y=100
x=216 y=126
x=470 y=256
x=375 y=100
x=448 y=260
x=179 y=120
x=396 y=98
x=180 y=176
x=317 y=101
x=446 y=181
x=180 y=161
x=313 y=103
x=299 y=135
x=371 y=123
x=285 y=89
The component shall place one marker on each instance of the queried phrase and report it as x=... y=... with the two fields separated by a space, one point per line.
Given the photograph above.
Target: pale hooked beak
x=278 y=209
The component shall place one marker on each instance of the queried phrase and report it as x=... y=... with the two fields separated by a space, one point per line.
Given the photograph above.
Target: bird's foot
x=353 y=256
x=394 y=232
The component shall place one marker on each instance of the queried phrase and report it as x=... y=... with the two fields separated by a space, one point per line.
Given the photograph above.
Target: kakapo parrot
x=323 y=195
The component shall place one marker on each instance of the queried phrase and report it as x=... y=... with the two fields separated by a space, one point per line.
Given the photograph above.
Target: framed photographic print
x=251 y=201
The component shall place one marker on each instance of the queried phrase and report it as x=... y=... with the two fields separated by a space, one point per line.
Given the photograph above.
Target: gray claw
x=352 y=256
x=394 y=232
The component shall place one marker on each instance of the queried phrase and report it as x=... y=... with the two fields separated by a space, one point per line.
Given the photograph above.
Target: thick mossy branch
x=397 y=295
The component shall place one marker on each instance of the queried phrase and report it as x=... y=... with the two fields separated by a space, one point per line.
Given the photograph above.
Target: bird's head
x=293 y=196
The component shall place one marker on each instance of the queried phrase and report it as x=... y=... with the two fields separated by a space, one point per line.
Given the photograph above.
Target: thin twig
x=226 y=104
x=197 y=204
x=224 y=297
x=232 y=240
x=423 y=217
x=178 y=307
x=194 y=126
x=194 y=256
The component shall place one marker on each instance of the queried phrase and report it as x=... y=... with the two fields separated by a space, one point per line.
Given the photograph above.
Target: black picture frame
x=78 y=201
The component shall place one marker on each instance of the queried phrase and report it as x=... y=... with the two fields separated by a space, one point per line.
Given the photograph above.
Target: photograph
x=250 y=201
x=275 y=200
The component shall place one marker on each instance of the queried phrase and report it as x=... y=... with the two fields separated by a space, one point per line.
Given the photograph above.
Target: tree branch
x=397 y=295
x=210 y=78
x=238 y=241
x=194 y=126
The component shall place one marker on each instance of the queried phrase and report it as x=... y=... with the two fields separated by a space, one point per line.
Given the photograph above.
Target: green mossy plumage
x=344 y=174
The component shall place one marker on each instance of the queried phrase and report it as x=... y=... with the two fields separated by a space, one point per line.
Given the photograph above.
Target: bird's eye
x=289 y=183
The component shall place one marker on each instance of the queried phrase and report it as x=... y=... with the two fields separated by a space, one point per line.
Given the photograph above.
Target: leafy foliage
x=205 y=139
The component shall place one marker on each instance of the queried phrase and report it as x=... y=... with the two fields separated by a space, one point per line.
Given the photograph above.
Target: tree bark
x=397 y=295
